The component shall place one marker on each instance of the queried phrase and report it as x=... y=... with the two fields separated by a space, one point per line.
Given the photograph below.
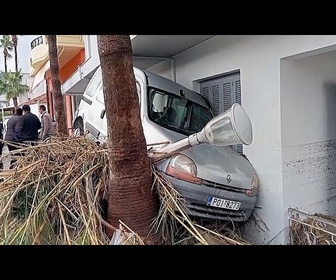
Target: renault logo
x=228 y=178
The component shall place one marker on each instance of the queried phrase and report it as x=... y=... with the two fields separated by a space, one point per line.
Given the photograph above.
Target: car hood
x=221 y=165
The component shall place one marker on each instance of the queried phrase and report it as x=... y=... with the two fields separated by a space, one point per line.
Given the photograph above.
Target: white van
x=216 y=182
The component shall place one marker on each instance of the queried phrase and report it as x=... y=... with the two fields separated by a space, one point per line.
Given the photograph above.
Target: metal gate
x=307 y=229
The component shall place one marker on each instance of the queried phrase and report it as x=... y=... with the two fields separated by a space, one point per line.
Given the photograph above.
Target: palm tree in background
x=11 y=84
x=15 y=43
x=56 y=85
x=6 y=44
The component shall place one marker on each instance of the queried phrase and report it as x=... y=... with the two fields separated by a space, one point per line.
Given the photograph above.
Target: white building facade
x=287 y=85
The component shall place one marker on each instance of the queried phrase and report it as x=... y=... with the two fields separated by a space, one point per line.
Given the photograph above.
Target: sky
x=23 y=54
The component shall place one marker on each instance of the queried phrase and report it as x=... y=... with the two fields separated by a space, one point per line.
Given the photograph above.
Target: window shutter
x=222 y=92
x=205 y=93
x=228 y=97
x=216 y=100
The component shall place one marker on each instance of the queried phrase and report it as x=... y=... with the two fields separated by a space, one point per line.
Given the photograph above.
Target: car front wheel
x=78 y=127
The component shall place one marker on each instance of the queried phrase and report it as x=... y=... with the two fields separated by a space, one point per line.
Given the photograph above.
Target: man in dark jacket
x=28 y=127
x=11 y=136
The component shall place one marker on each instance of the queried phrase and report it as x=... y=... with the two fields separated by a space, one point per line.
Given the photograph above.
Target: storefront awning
x=78 y=81
x=149 y=50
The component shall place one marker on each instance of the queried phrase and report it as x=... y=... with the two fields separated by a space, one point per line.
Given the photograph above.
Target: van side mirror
x=102 y=114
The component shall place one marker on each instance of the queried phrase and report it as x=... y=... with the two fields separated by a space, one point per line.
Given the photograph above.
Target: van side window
x=181 y=110
x=100 y=93
x=176 y=112
x=158 y=105
x=94 y=83
x=198 y=118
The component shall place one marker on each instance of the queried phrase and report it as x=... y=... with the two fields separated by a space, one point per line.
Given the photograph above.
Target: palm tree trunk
x=15 y=41
x=16 y=59
x=131 y=199
x=56 y=84
x=5 y=59
x=15 y=102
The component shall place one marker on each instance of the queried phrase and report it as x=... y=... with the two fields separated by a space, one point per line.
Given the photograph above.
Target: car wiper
x=188 y=131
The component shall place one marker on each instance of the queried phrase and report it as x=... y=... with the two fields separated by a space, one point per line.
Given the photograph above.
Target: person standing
x=28 y=126
x=11 y=137
x=1 y=143
x=47 y=127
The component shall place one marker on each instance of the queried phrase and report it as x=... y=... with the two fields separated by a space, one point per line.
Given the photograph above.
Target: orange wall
x=65 y=72
x=68 y=69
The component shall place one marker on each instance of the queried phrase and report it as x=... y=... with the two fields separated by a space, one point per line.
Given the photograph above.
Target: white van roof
x=159 y=82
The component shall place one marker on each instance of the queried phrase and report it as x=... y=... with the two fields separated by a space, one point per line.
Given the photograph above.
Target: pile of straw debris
x=56 y=193
x=317 y=229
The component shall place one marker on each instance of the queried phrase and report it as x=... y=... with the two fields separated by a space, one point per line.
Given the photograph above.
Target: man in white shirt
x=47 y=128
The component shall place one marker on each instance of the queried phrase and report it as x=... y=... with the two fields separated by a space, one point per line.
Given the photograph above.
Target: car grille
x=199 y=210
x=221 y=186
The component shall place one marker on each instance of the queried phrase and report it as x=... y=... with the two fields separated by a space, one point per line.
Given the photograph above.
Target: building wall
x=34 y=108
x=67 y=70
x=309 y=133
x=287 y=86
x=258 y=59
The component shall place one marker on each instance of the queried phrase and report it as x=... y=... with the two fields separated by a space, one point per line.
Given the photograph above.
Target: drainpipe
x=172 y=65
x=80 y=70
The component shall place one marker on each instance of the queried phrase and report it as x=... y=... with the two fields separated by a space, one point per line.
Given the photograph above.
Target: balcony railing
x=70 y=45
x=36 y=42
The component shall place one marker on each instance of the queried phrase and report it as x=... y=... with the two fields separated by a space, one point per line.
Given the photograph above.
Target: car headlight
x=254 y=186
x=183 y=168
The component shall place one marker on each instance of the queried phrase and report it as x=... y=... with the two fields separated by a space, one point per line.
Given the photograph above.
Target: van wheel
x=78 y=127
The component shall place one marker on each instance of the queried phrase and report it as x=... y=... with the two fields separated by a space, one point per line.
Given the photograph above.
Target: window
x=221 y=92
x=180 y=109
x=177 y=113
x=94 y=84
x=100 y=93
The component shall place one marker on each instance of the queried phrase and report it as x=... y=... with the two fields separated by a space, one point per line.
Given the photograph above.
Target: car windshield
x=177 y=113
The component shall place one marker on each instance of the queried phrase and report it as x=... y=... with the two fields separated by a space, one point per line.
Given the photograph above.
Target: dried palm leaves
x=56 y=195
x=306 y=229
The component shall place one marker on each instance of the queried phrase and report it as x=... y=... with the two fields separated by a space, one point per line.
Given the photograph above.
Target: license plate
x=223 y=203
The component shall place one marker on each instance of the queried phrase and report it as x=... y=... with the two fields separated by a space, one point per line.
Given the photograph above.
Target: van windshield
x=177 y=113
